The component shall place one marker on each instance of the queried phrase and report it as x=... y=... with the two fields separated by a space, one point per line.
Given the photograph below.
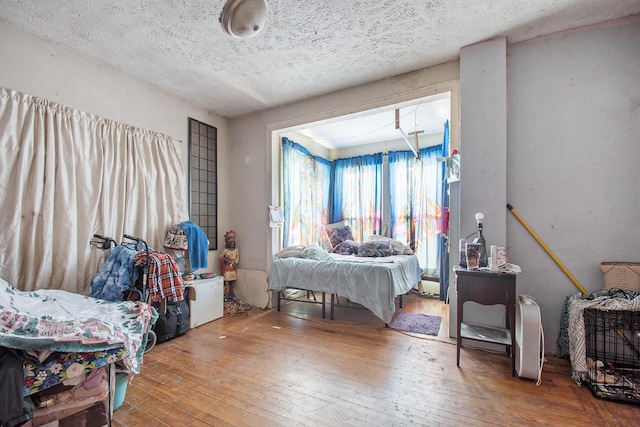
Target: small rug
x=419 y=323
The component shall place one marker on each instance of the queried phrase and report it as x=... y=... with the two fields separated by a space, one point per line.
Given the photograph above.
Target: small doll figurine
x=229 y=259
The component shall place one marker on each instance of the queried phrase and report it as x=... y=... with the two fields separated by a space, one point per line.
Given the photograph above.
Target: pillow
x=347 y=247
x=291 y=251
x=397 y=245
x=338 y=235
x=400 y=247
x=376 y=249
x=314 y=252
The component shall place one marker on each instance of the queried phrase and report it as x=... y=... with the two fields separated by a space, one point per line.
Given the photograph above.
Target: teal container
x=122 y=379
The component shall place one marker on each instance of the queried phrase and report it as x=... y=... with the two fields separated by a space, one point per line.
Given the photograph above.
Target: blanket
x=372 y=282
x=63 y=321
x=354 y=258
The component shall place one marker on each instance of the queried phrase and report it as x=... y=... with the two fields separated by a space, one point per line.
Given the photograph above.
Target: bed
x=49 y=337
x=371 y=281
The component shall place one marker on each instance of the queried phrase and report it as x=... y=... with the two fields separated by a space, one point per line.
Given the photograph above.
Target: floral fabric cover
x=64 y=321
x=66 y=366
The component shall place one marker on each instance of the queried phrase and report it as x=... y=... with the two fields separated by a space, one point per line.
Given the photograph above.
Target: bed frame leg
x=400 y=301
x=332 y=299
x=323 y=309
x=279 y=294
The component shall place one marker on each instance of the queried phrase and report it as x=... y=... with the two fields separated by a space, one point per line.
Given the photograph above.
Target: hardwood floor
x=291 y=368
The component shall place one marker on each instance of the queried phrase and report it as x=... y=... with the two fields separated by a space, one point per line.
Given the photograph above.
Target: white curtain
x=357 y=194
x=66 y=175
x=415 y=185
x=306 y=186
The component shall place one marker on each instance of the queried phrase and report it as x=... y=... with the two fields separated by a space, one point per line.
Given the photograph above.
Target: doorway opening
x=368 y=130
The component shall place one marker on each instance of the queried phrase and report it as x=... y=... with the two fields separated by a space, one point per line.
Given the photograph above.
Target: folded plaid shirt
x=165 y=280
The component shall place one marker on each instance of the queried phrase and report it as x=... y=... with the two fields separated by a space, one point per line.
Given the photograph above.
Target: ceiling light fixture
x=243 y=18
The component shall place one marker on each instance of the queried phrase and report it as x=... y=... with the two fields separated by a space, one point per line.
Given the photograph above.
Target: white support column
x=483 y=147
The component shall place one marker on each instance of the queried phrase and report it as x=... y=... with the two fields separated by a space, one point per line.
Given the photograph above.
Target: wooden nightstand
x=487 y=288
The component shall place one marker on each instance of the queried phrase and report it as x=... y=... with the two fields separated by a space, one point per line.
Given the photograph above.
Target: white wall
x=252 y=147
x=483 y=165
x=313 y=146
x=572 y=149
x=572 y=159
x=424 y=141
x=33 y=66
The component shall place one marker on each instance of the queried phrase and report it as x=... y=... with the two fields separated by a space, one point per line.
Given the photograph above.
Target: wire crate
x=613 y=353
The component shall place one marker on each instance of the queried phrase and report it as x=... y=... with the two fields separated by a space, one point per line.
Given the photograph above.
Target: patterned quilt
x=65 y=366
x=63 y=321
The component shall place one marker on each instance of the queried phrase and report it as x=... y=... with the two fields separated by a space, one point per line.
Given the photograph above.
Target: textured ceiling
x=308 y=48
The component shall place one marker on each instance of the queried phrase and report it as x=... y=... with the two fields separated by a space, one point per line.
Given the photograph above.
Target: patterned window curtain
x=357 y=194
x=67 y=175
x=306 y=186
x=415 y=187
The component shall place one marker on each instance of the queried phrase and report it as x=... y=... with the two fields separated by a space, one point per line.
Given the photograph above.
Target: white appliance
x=208 y=302
x=529 y=351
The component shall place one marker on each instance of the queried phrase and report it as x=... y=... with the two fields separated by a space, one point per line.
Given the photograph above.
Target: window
x=357 y=194
x=415 y=197
x=416 y=203
x=306 y=181
x=203 y=179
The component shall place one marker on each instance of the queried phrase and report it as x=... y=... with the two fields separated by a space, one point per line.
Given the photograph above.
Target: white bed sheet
x=372 y=282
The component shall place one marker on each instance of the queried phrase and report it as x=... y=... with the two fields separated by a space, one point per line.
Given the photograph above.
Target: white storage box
x=208 y=302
